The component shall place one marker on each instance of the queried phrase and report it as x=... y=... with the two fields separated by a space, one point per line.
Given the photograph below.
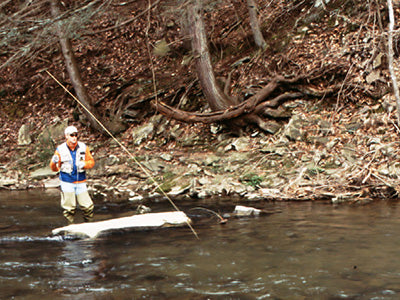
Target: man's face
x=72 y=138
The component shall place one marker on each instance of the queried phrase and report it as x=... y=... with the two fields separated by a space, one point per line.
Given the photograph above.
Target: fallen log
x=141 y=222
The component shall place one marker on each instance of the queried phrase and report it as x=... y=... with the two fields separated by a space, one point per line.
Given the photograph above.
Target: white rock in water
x=246 y=211
x=145 y=221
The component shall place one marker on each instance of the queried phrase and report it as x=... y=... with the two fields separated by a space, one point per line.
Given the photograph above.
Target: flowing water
x=306 y=251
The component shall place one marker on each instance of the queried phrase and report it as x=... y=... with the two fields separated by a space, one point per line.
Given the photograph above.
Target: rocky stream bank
x=317 y=154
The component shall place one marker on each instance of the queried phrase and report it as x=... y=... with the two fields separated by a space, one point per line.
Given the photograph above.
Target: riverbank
x=318 y=154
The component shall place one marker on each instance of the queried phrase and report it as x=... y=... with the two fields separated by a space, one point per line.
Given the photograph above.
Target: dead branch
x=254 y=105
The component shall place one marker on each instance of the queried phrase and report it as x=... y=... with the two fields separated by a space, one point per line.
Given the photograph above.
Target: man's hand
x=55 y=158
x=80 y=165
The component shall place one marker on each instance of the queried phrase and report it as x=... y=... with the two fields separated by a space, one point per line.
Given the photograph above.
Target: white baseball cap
x=70 y=129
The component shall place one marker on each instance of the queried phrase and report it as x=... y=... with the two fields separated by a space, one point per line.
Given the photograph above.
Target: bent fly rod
x=122 y=147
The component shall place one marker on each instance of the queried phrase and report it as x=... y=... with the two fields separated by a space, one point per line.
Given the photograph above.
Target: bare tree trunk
x=255 y=25
x=391 y=68
x=216 y=98
x=73 y=70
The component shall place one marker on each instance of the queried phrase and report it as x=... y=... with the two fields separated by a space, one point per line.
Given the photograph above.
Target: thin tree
x=255 y=24
x=217 y=99
x=390 y=50
x=73 y=69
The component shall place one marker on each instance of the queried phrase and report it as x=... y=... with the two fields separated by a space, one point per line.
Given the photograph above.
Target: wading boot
x=69 y=215
x=88 y=213
x=86 y=205
x=68 y=203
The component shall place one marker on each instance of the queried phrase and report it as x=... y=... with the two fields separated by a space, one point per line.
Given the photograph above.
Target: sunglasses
x=73 y=134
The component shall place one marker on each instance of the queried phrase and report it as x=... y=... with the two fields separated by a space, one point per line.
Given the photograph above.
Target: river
x=305 y=250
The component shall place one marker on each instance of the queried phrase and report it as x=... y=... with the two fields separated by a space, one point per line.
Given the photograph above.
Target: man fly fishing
x=72 y=159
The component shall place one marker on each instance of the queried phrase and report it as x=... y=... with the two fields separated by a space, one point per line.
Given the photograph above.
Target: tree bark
x=255 y=25
x=216 y=98
x=73 y=71
x=390 y=54
x=237 y=114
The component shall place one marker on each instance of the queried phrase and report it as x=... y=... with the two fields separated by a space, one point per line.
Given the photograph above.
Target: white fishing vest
x=67 y=162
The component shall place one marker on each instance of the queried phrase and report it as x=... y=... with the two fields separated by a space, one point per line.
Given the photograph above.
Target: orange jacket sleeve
x=89 y=160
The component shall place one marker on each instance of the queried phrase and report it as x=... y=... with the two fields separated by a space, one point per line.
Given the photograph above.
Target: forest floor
x=352 y=156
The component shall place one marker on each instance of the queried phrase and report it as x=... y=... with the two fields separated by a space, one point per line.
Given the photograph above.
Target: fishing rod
x=123 y=148
x=221 y=219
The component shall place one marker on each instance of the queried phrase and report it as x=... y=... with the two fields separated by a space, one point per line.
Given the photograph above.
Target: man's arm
x=89 y=160
x=55 y=162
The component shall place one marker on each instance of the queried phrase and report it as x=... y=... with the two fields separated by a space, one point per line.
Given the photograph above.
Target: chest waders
x=86 y=205
x=69 y=199
x=68 y=203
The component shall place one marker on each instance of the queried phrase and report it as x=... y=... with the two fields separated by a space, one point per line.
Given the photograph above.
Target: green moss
x=168 y=175
x=314 y=170
x=165 y=187
x=251 y=179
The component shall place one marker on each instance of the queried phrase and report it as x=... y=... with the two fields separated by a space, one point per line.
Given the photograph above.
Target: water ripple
x=31 y=239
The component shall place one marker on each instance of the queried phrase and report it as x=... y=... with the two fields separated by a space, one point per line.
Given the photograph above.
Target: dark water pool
x=307 y=251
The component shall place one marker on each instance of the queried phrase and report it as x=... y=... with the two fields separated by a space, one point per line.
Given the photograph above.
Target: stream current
x=306 y=250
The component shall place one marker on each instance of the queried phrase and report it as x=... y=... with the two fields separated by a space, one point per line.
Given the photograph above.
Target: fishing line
x=221 y=219
x=123 y=148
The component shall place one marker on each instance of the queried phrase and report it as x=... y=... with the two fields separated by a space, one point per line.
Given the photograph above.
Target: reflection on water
x=80 y=265
x=308 y=251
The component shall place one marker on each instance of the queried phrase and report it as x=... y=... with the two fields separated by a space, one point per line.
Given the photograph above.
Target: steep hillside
x=124 y=48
